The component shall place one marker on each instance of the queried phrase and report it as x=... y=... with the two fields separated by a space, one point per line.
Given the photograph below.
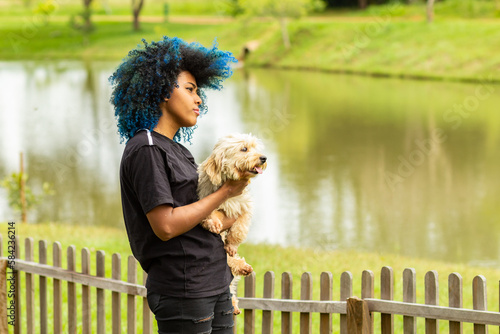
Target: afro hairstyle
x=149 y=74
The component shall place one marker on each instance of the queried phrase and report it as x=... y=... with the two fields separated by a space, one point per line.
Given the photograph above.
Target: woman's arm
x=168 y=222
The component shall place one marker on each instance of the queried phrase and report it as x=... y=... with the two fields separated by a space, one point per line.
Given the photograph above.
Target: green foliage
x=81 y=22
x=231 y=7
x=46 y=7
x=281 y=9
x=12 y=184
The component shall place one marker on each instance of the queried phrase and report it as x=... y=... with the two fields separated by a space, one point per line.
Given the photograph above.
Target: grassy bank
x=458 y=50
x=277 y=259
x=385 y=40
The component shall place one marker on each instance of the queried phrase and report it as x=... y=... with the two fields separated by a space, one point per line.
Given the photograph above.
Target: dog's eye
x=244 y=149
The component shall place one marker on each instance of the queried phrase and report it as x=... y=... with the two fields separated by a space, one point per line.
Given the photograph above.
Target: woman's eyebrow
x=189 y=82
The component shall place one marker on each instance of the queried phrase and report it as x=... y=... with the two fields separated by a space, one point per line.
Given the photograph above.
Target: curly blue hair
x=149 y=74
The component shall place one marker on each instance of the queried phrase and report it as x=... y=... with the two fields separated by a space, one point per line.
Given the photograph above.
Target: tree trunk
x=22 y=190
x=363 y=4
x=87 y=14
x=136 y=10
x=284 y=33
x=430 y=11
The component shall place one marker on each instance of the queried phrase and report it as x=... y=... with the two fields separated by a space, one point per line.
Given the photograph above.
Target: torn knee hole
x=228 y=312
x=204 y=319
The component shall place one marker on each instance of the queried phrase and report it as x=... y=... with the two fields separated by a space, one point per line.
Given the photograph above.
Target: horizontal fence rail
x=80 y=278
x=350 y=314
x=433 y=312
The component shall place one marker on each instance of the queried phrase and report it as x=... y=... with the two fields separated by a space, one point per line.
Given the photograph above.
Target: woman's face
x=183 y=106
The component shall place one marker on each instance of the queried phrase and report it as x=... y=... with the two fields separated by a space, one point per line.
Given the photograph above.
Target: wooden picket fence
x=71 y=277
x=356 y=315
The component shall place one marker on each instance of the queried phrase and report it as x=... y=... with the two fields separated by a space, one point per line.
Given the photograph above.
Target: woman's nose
x=198 y=100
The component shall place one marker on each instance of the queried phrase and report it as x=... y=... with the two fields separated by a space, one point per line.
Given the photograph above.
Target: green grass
x=445 y=9
x=112 y=40
x=270 y=258
x=450 y=49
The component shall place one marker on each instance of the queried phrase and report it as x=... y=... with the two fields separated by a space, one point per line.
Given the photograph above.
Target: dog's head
x=234 y=157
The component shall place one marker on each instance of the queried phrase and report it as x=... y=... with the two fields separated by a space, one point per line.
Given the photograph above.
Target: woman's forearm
x=168 y=222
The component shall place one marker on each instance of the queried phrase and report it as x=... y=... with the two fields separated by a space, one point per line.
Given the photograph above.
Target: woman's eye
x=190 y=89
x=244 y=149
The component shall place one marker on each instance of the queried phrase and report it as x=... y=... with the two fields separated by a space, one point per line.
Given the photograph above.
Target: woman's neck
x=166 y=128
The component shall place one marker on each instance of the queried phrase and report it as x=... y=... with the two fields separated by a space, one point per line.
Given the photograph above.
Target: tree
x=136 y=10
x=83 y=21
x=363 y=4
x=21 y=198
x=282 y=10
x=87 y=13
x=430 y=11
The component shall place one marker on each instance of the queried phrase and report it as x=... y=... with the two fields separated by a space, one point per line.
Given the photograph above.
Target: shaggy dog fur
x=232 y=157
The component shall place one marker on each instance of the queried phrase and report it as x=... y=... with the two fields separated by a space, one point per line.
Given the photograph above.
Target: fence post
x=368 y=290
x=326 y=293
x=387 y=293
x=409 y=296
x=267 y=316
x=306 y=288
x=147 y=319
x=30 y=289
x=116 y=314
x=57 y=292
x=17 y=289
x=479 y=300
x=86 y=307
x=358 y=316
x=72 y=319
x=455 y=299
x=131 y=311
x=42 y=282
x=3 y=297
x=345 y=292
x=431 y=298
x=286 y=293
x=101 y=303
x=249 y=315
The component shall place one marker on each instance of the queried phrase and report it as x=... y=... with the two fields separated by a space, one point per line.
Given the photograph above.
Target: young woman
x=158 y=96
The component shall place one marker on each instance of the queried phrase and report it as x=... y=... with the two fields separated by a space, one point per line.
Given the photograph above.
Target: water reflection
x=388 y=165
x=383 y=165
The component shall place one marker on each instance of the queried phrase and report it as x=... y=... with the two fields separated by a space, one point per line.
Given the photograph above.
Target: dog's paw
x=236 y=309
x=231 y=250
x=213 y=225
x=245 y=269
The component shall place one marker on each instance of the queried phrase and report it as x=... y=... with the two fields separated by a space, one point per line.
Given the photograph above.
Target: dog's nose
x=263 y=159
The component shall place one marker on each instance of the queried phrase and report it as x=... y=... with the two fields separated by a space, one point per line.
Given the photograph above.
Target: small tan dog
x=232 y=157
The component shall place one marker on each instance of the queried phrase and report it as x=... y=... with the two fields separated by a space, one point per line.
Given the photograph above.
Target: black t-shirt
x=156 y=170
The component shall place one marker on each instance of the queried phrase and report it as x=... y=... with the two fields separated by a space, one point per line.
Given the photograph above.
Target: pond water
x=374 y=164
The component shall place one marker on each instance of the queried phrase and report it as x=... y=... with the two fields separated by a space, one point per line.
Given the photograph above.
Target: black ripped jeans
x=193 y=316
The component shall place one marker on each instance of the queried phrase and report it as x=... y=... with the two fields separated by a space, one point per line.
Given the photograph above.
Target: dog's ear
x=213 y=168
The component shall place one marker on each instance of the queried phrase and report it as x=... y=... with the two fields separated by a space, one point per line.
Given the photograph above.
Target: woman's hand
x=234 y=188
